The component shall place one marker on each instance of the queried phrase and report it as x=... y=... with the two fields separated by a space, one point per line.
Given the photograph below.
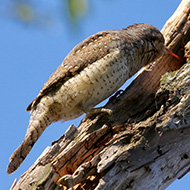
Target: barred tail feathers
x=36 y=127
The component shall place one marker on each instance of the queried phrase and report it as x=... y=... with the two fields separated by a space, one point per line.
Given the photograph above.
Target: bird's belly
x=91 y=86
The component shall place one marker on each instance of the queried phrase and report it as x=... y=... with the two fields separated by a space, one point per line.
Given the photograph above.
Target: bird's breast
x=92 y=85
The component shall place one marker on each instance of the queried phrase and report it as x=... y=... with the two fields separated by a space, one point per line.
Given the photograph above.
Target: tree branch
x=144 y=143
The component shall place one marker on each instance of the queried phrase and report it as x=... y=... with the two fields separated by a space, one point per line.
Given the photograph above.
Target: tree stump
x=144 y=144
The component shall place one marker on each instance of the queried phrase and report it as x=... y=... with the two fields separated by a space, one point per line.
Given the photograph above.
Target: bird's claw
x=96 y=111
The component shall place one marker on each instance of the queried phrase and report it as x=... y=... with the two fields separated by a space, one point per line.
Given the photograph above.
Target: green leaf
x=24 y=12
x=77 y=8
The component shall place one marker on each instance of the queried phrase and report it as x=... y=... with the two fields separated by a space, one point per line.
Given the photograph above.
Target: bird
x=92 y=71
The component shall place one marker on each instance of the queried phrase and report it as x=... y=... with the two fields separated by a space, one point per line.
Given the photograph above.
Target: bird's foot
x=95 y=111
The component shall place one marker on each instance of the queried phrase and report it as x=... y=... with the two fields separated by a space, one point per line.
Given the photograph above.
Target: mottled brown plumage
x=90 y=73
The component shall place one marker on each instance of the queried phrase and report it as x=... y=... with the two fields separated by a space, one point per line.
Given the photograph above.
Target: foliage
x=42 y=13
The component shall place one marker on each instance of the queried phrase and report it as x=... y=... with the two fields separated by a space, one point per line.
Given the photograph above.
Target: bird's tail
x=34 y=131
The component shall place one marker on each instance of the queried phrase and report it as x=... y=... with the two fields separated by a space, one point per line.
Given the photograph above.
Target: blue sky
x=29 y=55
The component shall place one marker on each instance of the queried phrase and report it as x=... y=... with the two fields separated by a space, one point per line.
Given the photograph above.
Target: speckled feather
x=87 y=52
x=90 y=73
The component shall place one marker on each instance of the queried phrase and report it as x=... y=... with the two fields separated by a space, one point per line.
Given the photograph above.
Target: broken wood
x=144 y=144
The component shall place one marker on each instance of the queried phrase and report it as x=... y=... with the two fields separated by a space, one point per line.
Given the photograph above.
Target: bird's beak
x=173 y=54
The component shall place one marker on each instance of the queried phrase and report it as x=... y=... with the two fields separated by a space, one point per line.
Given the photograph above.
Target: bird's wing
x=85 y=53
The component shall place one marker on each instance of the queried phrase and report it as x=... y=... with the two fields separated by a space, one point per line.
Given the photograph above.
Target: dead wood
x=144 y=144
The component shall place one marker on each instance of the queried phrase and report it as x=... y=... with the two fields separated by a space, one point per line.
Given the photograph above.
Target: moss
x=175 y=80
x=45 y=176
x=167 y=77
x=175 y=87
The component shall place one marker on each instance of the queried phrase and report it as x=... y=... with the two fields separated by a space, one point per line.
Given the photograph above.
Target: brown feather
x=80 y=56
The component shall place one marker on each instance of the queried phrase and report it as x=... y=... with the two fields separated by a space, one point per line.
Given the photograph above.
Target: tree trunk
x=144 y=144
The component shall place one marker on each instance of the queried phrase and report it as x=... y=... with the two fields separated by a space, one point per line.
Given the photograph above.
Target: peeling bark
x=144 y=144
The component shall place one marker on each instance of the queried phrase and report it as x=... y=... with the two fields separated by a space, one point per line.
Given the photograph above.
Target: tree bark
x=144 y=144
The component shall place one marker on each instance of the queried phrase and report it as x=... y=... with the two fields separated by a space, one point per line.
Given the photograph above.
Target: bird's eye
x=153 y=45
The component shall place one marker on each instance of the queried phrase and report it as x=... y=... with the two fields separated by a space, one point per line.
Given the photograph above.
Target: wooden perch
x=144 y=144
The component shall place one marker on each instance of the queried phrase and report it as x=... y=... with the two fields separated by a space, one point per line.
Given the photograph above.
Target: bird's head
x=152 y=40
